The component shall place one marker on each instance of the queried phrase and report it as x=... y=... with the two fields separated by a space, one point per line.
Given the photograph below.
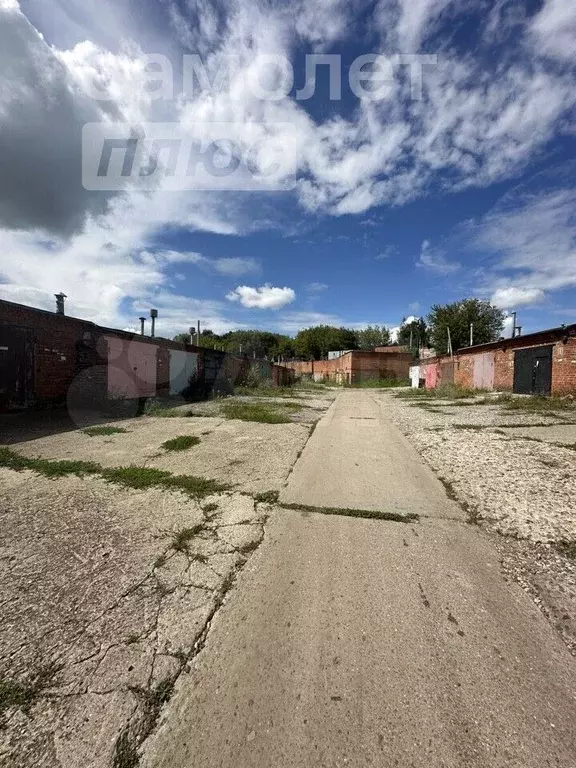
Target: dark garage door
x=16 y=367
x=533 y=371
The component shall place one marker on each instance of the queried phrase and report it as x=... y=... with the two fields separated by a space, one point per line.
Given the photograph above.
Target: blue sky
x=397 y=202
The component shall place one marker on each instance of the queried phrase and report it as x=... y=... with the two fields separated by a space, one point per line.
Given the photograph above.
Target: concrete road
x=352 y=642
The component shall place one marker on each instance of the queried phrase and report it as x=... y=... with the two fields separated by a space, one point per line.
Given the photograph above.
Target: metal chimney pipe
x=60 y=303
x=142 y=321
x=153 y=316
x=198 y=334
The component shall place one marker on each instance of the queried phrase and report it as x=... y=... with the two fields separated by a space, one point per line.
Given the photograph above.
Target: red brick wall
x=464 y=371
x=357 y=366
x=56 y=341
x=564 y=367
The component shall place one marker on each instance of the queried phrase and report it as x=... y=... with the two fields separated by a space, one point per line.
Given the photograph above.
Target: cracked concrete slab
x=99 y=606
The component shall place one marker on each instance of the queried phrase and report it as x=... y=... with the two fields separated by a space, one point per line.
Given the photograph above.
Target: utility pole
x=198 y=334
x=450 y=352
x=411 y=330
x=513 y=324
x=471 y=334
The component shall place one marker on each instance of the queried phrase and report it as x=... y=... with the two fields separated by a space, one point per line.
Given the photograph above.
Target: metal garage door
x=183 y=370
x=533 y=371
x=484 y=371
x=16 y=367
x=131 y=368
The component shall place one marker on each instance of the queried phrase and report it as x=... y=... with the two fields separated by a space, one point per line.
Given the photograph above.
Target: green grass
x=183 y=537
x=263 y=391
x=379 y=383
x=267 y=497
x=253 y=412
x=535 y=404
x=370 y=514
x=308 y=384
x=23 y=694
x=140 y=478
x=95 y=431
x=444 y=392
x=180 y=443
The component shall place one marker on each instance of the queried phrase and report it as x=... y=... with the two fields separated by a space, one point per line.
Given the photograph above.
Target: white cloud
x=514 y=296
x=314 y=288
x=235 y=266
x=265 y=297
x=554 y=29
x=435 y=261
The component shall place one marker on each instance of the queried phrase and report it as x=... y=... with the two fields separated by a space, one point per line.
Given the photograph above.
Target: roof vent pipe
x=60 y=303
x=153 y=315
x=142 y=321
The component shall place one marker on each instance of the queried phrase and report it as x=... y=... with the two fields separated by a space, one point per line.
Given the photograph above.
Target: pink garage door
x=131 y=368
x=484 y=371
x=431 y=376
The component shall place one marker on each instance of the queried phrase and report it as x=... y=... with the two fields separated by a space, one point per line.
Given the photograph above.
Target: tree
x=488 y=322
x=372 y=336
x=183 y=338
x=315 y=343
x=413 y=335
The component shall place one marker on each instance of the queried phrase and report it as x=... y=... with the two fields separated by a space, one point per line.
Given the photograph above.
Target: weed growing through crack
x=133 y=639
x=267 y=497
x=211 y=507
x=95 y=431
x=567 y=548
x=369 y=514
x=182 y=538
x=181 y=443
x=160 y=561
x=24 y=694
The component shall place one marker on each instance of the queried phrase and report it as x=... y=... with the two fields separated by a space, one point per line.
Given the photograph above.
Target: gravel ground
x=520 y=489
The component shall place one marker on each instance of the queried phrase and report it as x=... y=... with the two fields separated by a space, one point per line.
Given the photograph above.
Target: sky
x=442 y=166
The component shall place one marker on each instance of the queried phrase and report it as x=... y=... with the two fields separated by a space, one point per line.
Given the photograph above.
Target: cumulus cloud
x=514 y=296
x=265 y=297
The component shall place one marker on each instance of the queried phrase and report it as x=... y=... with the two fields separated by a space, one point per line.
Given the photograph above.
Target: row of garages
x=46 y=358
x=541 y=363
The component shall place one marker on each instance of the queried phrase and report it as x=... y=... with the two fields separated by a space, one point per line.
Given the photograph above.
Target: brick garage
x=504 y=353
x=357 y=365
x=47 y=358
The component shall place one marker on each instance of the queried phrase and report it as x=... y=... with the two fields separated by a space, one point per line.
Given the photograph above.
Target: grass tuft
x=182 y=538
x=267 y=497
x=379 y=383
x=180 y=443
x=140 y=478
x=253 y=412
x=95 y=431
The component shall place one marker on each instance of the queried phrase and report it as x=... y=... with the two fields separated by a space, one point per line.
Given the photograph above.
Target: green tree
x=413 y=335
x=315 y=343
x=183 y=338
x=372 y=336
x=488 y=322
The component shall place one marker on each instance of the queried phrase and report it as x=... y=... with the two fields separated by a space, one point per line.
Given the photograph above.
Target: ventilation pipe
x=153 y=316
x=142 y=321
x=60 y=303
